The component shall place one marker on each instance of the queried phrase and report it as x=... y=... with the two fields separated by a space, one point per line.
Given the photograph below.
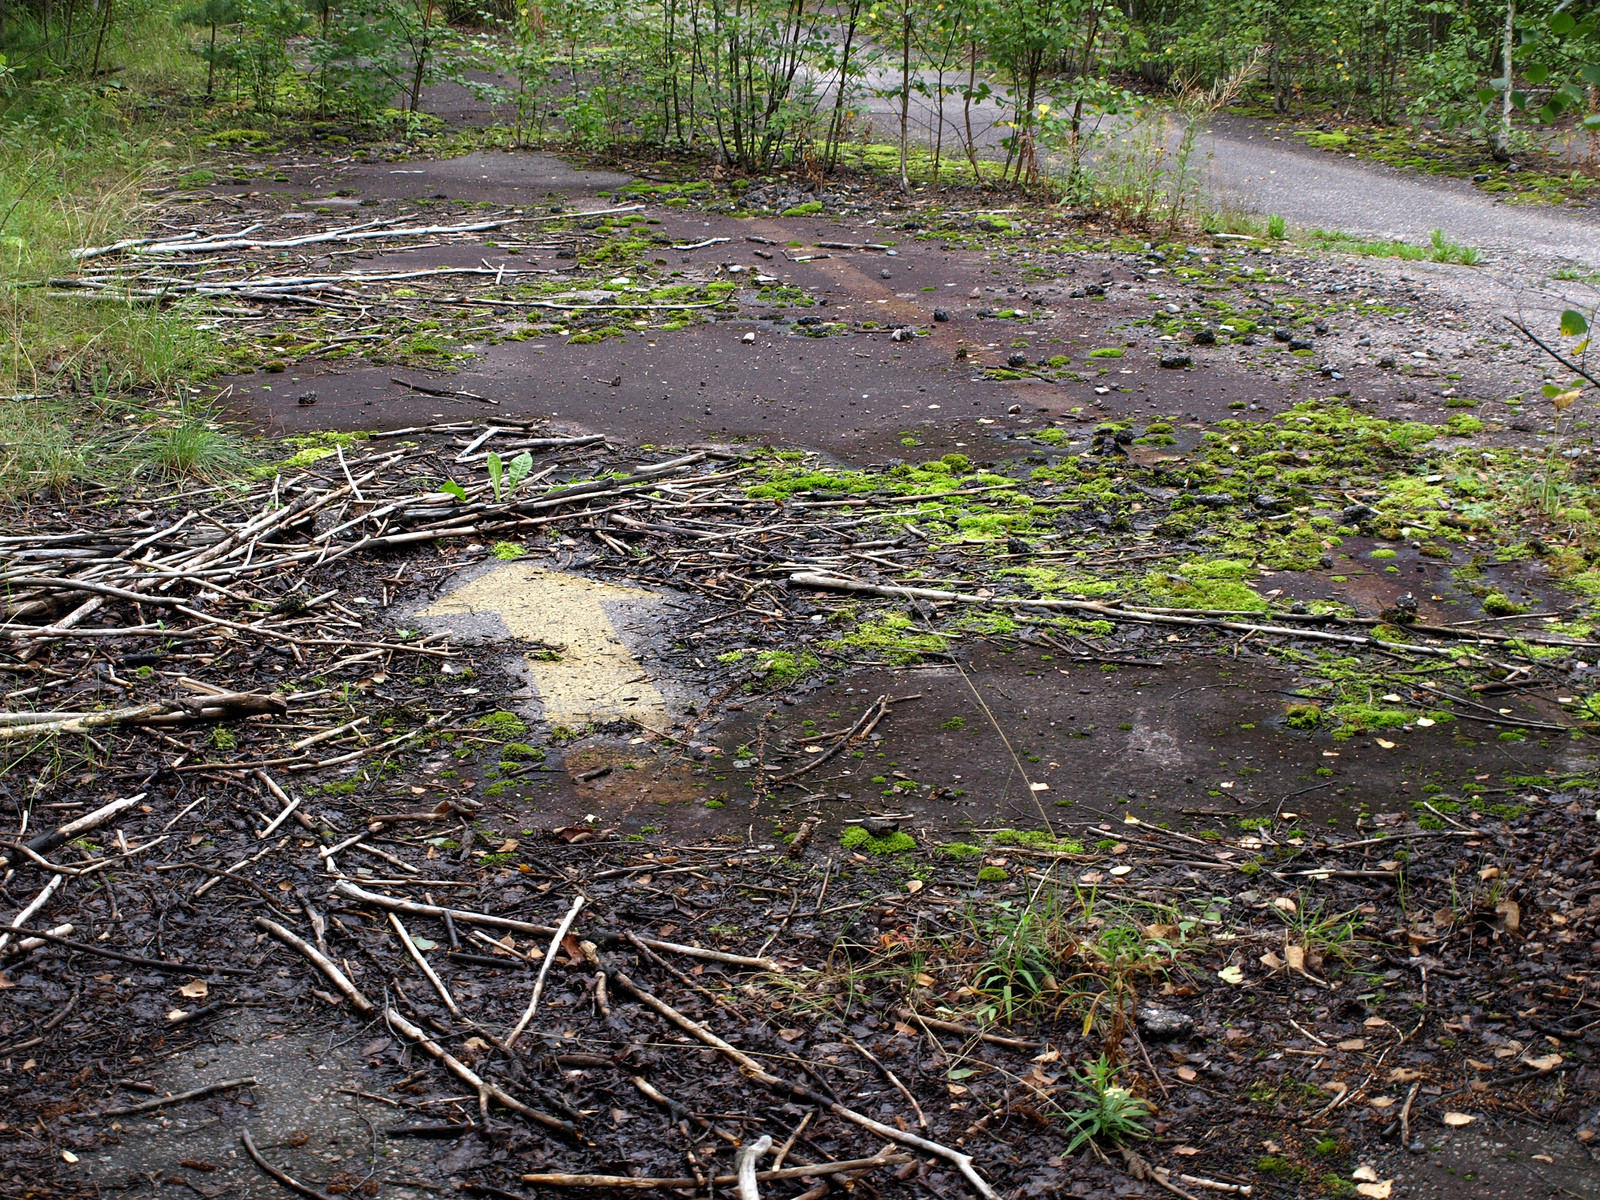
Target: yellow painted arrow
x=596 y=678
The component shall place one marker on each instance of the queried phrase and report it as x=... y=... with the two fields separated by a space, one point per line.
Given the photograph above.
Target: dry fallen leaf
x=791 y=1035
x=1049 y=1056
x=1548 y=1062
x=1295 y=956
x=1456 y=1120
x=1231 y=975
x=1403 y=1075
x=1186 y=1151
x=1187 y=1074
x=1285 y=904
x=195 y=990
x=176 y=1014
x=1381 y=1101
x=68 y=1156
x=913 y=885
x=1121 y=870
x=1387 y=745
x=1271 y=961
x=1365 y=1173
x=1353 y=1044
x=1374 y=1022
x=1376 y=1191
x=1510 y=914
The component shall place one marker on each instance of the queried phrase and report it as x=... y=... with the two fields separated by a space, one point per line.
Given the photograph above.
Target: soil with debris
x=1158 y=728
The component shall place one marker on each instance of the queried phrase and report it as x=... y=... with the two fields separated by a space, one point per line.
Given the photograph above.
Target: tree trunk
x=905 y=96
x=1502 y=143
x=99 y=41
x=422 y=56
x=836 y=126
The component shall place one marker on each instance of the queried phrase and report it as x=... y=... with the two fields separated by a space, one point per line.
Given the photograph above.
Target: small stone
x=1356 y=514
x=1014 y=410
x=306 y=399
x=1300 y=344
x=901 y=335
x=809 y=321
x=1298 y=608
x=1320 y=327
x=1175 y=362
x=1173 y=308
x=1386 y=361
x=1017 y=360
x=880 y=826
x=1160 y=1022
x=884 y=275
x=1205 y=337
x=1213 y=499
x=1267 y=502
x=940 y=314
x=748 y=339
x=1281 y=334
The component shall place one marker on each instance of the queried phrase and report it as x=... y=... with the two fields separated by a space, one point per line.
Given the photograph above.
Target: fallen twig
x=221 y=1085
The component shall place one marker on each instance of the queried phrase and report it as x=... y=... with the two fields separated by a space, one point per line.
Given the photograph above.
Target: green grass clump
x=1498 y=604
x=891 y=637
x=774 y=668
x=1440 y=248
x=1106 y=352
x=502 y=724
x=195 y=447
x=506 y=551
x=1302 y=716
x=960 y=850
x=1216 y=583
x=993 y=875
x=1036 y=839
x=857 y=838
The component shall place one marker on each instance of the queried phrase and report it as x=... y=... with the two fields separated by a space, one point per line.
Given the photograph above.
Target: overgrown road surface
x=900 y=659
x=1267 y=172
x=1257 y=167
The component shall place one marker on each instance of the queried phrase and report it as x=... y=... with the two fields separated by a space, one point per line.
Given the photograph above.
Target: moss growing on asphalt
x=857 y=838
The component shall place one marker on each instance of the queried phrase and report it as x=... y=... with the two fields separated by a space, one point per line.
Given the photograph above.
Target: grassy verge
x=1440 y=248
x=94 y=390
x=1534 y=177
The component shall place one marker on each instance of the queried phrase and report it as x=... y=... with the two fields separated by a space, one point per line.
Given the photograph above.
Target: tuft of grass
x=194 y=447
x=1110 y=1113
x=1440 y=248
x=38 y=450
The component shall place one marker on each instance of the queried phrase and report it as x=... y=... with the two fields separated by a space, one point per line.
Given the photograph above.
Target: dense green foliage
x=756 y=82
